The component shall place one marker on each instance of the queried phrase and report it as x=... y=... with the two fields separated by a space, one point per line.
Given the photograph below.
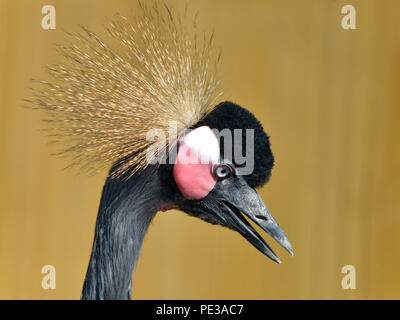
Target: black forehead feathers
x=228 y=115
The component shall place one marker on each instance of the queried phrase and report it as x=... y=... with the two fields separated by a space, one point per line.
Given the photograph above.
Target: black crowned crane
x=104 y=103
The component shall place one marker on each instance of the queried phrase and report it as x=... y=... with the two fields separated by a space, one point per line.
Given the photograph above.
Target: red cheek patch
x=193 y=178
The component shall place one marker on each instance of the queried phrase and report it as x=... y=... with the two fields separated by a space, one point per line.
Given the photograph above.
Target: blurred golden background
x=328 y=97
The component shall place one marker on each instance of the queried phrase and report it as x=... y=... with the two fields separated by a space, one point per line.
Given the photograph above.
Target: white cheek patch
x=202 y=143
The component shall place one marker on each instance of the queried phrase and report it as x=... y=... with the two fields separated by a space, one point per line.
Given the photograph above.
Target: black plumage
x=228 y=115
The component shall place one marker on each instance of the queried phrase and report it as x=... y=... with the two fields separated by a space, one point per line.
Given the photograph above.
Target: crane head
x=215 y=187
x=109 y=93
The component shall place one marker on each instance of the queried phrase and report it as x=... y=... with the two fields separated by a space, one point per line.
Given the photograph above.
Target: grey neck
x=126 y=210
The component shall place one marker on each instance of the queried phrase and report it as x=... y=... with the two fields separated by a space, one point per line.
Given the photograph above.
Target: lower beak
x=248 y=201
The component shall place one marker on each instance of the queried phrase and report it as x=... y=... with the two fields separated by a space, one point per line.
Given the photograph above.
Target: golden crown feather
x=108 y=93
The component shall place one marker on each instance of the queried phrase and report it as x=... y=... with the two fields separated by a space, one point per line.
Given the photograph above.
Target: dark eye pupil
x=222 y=171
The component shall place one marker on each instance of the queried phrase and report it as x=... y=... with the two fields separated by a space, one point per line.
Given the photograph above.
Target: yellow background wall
x=330 y=100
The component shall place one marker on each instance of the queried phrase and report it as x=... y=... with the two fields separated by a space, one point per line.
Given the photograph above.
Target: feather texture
x=102 y=100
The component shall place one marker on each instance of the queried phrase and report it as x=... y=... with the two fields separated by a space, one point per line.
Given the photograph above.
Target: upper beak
x=231 y=201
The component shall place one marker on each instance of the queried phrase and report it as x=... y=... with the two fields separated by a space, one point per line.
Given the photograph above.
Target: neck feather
x=126 y=210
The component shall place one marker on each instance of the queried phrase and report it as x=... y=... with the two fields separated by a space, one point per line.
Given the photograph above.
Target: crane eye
x=222 y=171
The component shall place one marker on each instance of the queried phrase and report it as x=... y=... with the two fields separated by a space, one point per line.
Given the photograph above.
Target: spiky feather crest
x=106 y=96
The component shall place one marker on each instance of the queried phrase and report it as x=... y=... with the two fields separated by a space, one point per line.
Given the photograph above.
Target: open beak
x=232 y=199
